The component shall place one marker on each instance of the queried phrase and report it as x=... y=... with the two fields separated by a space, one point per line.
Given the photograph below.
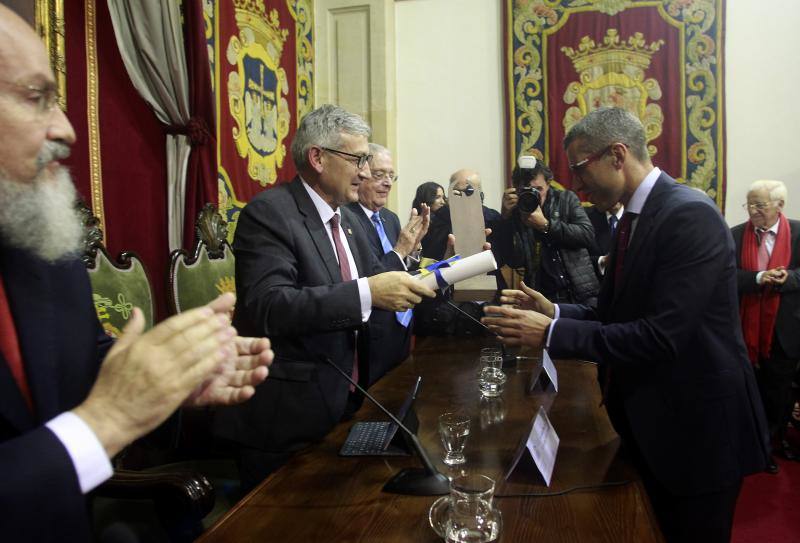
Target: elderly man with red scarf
x=768 y=255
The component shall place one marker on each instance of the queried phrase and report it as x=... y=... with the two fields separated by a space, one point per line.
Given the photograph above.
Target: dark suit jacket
x=682 y=387
x=389 y=341
x=787 y=325
x=62 y=346
x=289 y=288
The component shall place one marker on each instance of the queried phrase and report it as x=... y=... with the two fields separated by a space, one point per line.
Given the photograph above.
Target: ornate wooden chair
x=174 y=496
x=196 y=279
x=117 y=286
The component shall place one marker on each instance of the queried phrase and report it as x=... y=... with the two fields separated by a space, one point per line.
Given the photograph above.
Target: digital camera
x=528 y=199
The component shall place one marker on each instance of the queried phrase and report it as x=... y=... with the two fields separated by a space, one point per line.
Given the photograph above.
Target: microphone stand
x=410 y=481
x=508 y=359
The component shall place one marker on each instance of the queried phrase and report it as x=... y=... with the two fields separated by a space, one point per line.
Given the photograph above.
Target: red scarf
x=759 y=310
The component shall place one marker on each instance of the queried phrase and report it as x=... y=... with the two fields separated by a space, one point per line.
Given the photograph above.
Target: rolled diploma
x=461 y=269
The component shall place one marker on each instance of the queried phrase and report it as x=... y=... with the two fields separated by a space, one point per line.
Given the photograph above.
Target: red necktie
x=9 y=346
x=623 y=236
x=344 y=269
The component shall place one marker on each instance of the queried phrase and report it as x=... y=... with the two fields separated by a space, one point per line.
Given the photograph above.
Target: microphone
x=410 y=481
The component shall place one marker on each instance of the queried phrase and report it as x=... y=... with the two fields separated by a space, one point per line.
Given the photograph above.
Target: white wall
x=449 y=94
x=763 y=108
x=450 y=107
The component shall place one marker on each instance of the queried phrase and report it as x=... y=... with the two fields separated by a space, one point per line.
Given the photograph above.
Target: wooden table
x=320 y=496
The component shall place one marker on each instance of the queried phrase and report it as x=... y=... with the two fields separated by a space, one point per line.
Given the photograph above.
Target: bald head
x=18 y=41
x=460 y=179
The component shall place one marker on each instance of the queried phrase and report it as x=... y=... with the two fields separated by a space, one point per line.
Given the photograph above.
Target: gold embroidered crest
x=613 y=74
x=257 y=90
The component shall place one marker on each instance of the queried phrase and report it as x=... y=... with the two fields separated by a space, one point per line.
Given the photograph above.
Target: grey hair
x=323 y=127
x=607 y=125
x=376 y=149
x=776 y=189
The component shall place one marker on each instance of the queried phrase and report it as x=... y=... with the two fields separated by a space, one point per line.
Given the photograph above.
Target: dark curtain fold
x=201 y=171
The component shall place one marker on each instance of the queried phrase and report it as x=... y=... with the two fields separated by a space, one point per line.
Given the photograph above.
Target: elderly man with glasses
x=673 y=366
x=768 y=272
x=389 y=332
x=307 y=276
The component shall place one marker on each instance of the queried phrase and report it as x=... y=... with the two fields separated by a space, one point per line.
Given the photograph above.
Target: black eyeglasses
x=360 y=160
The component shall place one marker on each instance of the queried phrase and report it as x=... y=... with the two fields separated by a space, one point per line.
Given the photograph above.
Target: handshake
x=523 y=319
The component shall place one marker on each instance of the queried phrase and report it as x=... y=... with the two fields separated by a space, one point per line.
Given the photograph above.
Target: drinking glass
x=491 y=378
x=491 y=351
x=454 y=429
x=472 y=516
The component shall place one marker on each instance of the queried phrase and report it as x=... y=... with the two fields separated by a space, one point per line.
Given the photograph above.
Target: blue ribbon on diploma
x=436 y=270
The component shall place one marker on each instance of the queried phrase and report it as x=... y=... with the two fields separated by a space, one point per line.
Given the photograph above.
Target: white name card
x=550 y=369
x=542 y=444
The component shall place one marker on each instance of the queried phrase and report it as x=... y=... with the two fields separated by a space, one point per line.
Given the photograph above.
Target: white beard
x=40 y=216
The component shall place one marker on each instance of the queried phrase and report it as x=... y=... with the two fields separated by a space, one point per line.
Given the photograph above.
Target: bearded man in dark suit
x=69 y=400
x=307 y=277
x=677 y=383
x=768 y=273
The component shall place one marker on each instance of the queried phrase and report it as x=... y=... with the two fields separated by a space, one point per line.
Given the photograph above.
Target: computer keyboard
x=366 y=439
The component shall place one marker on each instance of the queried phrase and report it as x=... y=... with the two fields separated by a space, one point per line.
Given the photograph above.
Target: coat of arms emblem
x=257 y=90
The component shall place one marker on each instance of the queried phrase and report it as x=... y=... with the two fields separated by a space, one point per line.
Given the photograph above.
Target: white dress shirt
x=325 y=213
x=88 y=456
x=769 y=241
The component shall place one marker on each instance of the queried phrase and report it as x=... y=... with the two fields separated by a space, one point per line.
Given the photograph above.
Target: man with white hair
x=389 y=332
x=768 y=277
x=69 y=400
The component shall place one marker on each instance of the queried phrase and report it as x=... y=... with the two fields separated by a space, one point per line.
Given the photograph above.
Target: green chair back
x=197 y=279
x=117 y=286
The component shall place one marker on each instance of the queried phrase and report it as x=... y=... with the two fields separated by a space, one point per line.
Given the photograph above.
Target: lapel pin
x=349 y=232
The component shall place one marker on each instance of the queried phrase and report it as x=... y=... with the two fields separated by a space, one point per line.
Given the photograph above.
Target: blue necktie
x=403 y=317
x=612 y=223
x=376 y=220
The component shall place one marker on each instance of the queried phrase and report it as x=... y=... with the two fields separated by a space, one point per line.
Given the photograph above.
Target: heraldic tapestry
x=262 y=57
x=660 y=59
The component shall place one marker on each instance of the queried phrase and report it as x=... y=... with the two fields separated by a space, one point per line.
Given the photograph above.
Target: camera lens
x=529 y=200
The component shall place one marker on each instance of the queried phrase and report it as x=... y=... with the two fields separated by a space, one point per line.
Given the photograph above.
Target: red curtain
x=130 y=143
x=201 y=173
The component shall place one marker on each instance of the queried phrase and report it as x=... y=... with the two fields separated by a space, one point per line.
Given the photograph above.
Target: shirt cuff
x=401 y=259
x=365 y=296
x=556 y=313
x=86 y=452
x=759 y=275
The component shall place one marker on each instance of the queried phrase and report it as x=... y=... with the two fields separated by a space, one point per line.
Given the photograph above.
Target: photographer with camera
x=546 y=232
